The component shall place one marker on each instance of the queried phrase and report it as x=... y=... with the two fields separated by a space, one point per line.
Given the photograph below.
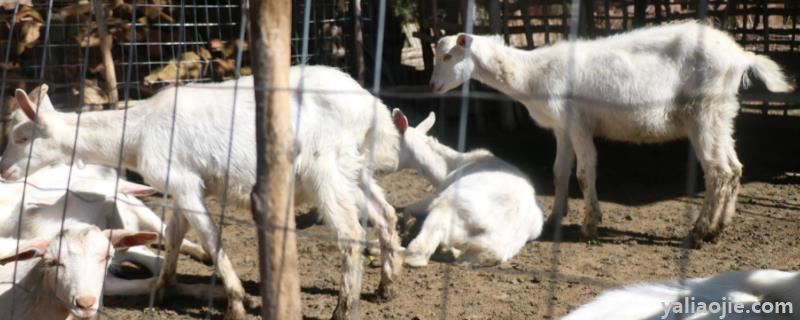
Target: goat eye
x=446 y=57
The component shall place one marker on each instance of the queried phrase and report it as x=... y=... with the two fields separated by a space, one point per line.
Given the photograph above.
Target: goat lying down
x=682 y=299
x=650 y=85
x=484 y=210
x=126 y=226
x=61 y=276
x=91 y=188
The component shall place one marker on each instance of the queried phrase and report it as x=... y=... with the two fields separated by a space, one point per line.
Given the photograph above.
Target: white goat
x=90 y=202
x=645 y=86
x=60 y=276
x=485 y=209
x=333 y=168
x=682 y=299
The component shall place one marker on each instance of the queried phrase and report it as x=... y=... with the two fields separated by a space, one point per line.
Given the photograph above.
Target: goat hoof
x=415 y=261
x=589 y=233
x=711 y=237
x=385 y=293
x=695 y=241
x=235 y=311
x=340 y=314
x=550 y=226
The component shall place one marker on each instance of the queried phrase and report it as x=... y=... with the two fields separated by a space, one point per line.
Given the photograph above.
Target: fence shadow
x=571 y=233
x=182 y=305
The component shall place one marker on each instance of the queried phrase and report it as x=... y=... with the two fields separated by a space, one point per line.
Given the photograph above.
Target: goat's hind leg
x=712 y=152
x=384 y=218
x=587 y=176
x=337 y=200
x=562 y=170
x=729 y=205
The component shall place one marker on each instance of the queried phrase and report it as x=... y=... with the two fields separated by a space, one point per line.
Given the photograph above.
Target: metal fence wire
x=156 y=43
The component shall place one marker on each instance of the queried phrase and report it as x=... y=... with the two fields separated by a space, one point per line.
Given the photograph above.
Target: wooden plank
x=639 y=13
x=358 y=41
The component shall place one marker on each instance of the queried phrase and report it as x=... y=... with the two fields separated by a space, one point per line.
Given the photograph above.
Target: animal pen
x=113 y=55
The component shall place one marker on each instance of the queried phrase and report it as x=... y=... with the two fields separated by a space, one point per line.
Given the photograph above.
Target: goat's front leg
x=192 y=207
x=434 y=230
x=562 y=169
x=146 y=220
x=177 y=226
x=586 y=152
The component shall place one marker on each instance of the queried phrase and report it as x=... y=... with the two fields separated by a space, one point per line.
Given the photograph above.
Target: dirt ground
x=644 y=200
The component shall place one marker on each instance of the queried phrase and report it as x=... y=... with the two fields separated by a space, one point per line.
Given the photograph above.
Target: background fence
x=160 y=41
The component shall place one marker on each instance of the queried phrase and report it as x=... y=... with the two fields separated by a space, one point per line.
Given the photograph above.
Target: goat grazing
x=681 y=299
x=645 y=86
x=333 y=169
x=485 y=209
x=61 y=276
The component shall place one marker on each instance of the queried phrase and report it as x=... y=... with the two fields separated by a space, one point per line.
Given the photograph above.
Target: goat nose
x=85 y=302
x=433 y=86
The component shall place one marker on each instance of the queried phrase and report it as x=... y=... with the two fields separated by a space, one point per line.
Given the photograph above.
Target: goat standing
x=646 y=86
x=334 y=171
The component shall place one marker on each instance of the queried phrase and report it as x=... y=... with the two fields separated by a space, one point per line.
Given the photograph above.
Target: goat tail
x=770 y=73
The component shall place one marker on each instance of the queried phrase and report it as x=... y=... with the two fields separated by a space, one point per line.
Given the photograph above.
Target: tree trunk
x=272 y=197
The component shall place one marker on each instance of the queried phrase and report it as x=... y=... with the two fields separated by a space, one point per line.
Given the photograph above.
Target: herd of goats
x=649 y=85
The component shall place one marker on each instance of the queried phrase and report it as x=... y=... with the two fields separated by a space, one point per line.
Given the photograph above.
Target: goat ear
x=121 y=238
x=400 y=120
x=28 y=249
x=427 y=124
x=25 y=104
x=463 y=40
x=39 y=96
x=28 y=107
x=135 y=189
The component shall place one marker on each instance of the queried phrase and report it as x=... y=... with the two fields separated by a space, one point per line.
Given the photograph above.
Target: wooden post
x=639 y=13
x=524 y=6
x=358 y=41
x=106 y=43
x=272 y=203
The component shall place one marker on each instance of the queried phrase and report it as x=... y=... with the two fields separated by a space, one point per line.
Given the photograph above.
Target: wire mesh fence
x=158 y=43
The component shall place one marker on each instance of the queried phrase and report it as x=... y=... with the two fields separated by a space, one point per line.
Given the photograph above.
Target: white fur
x=647 y=301
x=332 y=166
x=646 y=86
x=91 y=201
x=485 y=209
x=60 y=276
